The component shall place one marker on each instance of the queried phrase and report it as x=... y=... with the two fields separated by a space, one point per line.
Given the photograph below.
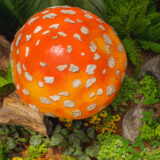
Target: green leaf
x=130 y=156
x=57 y=129
x=142 y=146
x=77 y=124
x=23 y=140
x=131 y=150
x=78 y=153
x=65 y=132
x=9 y=77
x=70 y=150
x=56 y=139
x=73 y=137
x=91 y=132
x=36 y=140
x=82 y=136
x=4 y=130
x=11 y=143
x=92 y=151
x=3 y=82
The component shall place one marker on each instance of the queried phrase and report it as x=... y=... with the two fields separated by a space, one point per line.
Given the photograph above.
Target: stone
x=131 y=122
x=152 y=66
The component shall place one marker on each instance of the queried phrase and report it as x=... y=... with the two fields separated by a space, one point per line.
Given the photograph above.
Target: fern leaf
x=132 y=51
x=148 y=45
x=153 y=32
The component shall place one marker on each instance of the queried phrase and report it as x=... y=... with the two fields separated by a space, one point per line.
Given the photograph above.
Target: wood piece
x=14 y=112
x=4 y=52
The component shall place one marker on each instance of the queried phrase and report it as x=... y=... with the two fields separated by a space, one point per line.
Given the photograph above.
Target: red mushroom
x=67 y=62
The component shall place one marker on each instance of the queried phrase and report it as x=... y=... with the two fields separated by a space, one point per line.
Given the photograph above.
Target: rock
x=131 y=122
x=152 y=66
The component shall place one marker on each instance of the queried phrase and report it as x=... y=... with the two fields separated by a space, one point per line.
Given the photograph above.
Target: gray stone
x=131 y=122
x=152 y=66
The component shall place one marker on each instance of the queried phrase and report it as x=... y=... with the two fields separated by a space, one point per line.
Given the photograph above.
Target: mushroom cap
x=67 y=62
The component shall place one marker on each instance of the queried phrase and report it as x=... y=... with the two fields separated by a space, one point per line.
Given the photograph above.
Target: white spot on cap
x=73 y=68
x=55 y=98
x=77 y=36
x=69 y=103
x=65 y=6
x=40 y=84
x=43 y=64
x=19 y=70
x=18 y=39
x=76 y=83
x=18 y=87
x=54 y=26
x=120 y=48
x=32 y=20
x=117 y=72
x=23 y=66
x=76 y=113
x=110 y=90
x=37 y=43
x=44 y=12
x=107 y=39
x=91 y=107
x=104 y=71
x=111 y=62
x=45 y=100
x=99 y=20
x=82 y=54
x=27 y=51
x=99 y=91
x=88 y=16
x=92 y=95
x=101 y=27
x=62 y=34
x=107 y=48
x=69 y=20
x=90 y=68
x=90 y=82
x=96 y=56
x=28 y=37
x=62 y=67
x=49 y=16
x=69 y=48
x=68 y=11
x=49 y=114
x=17 y=51
x=93 y=47
x=49 y=80
x=28 y=76
x=84 y=30
x=25 y=92
x=33 y=107
x=37 y=29
x=78 y=20
x=54 y=37
x=64 y=94
x=45 y=32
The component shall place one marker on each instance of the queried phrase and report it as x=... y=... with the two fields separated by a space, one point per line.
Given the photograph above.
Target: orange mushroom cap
x=67 y=62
